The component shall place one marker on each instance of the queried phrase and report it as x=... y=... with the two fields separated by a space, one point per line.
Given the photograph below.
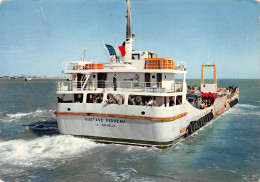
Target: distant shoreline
x=33 y=78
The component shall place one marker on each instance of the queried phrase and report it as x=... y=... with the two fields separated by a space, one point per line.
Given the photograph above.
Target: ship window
x=95 y=98
x=65 y=98
x=78 y=98
x=135 y=56
x=171 y=101
x=145 y=101
x=115 y=99
x=179 y=100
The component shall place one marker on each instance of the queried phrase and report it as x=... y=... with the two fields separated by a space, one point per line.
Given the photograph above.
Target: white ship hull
x=159 y=126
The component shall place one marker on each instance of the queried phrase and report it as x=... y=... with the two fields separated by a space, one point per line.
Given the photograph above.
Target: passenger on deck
x=209 y=103
x=138 y=102
x=99 y=100
x=193 y=103
x=154 y=103
x=171 y=102
x=131 y=101
x=179 y=101
x=202 y=105
x=188 y=89
x=110 y=101
x=115 y=82
x=150 y=103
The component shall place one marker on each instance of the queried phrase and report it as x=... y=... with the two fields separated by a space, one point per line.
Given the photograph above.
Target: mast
x=128 y=21
x=129 y=36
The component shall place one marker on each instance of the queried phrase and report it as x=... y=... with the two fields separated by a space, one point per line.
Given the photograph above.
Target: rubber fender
x=208 y=117
x=190 y=128
x=203 y=120
x=198 y=124
x=211 y=116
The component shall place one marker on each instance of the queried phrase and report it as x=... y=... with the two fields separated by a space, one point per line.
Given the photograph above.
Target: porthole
x=153 y=77
x=143 y=113
x=68 y=109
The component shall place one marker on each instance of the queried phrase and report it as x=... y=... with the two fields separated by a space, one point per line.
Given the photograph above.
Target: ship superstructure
x=136 y=98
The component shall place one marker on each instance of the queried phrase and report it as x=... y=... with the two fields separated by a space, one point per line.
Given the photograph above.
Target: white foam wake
x=247 y=106
x=244 y=109
x=38 y=112
x=42 y=151
x=16 y=117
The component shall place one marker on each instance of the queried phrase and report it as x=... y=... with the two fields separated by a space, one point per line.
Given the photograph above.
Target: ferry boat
x=136 y=98
x=28 y=79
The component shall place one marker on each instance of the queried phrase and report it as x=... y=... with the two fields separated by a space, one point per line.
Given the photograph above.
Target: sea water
x=32 y=149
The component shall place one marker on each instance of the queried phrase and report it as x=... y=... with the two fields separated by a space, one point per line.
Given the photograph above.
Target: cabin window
x=95 y=98
x=78 y=98
x=135 y=56
x=115 y=99
x=65 y=98
x=171 y=101
x=146 y=100
x=179 y=100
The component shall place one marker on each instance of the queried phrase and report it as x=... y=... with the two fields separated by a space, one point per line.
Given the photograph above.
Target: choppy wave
x=30 y=115
x=43 y=127
x=247 y=106
x=42 y=152
x=17 y=115
x=244 y=109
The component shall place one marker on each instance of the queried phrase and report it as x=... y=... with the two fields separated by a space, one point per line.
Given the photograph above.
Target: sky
x=37 y=36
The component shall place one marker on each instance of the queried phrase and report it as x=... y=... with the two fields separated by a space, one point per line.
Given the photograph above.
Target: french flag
x=114 y=50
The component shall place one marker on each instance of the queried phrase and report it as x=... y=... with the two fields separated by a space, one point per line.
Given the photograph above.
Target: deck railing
x=123 y=86
x=163 y=63
x=149 y=64
x=91 y=65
